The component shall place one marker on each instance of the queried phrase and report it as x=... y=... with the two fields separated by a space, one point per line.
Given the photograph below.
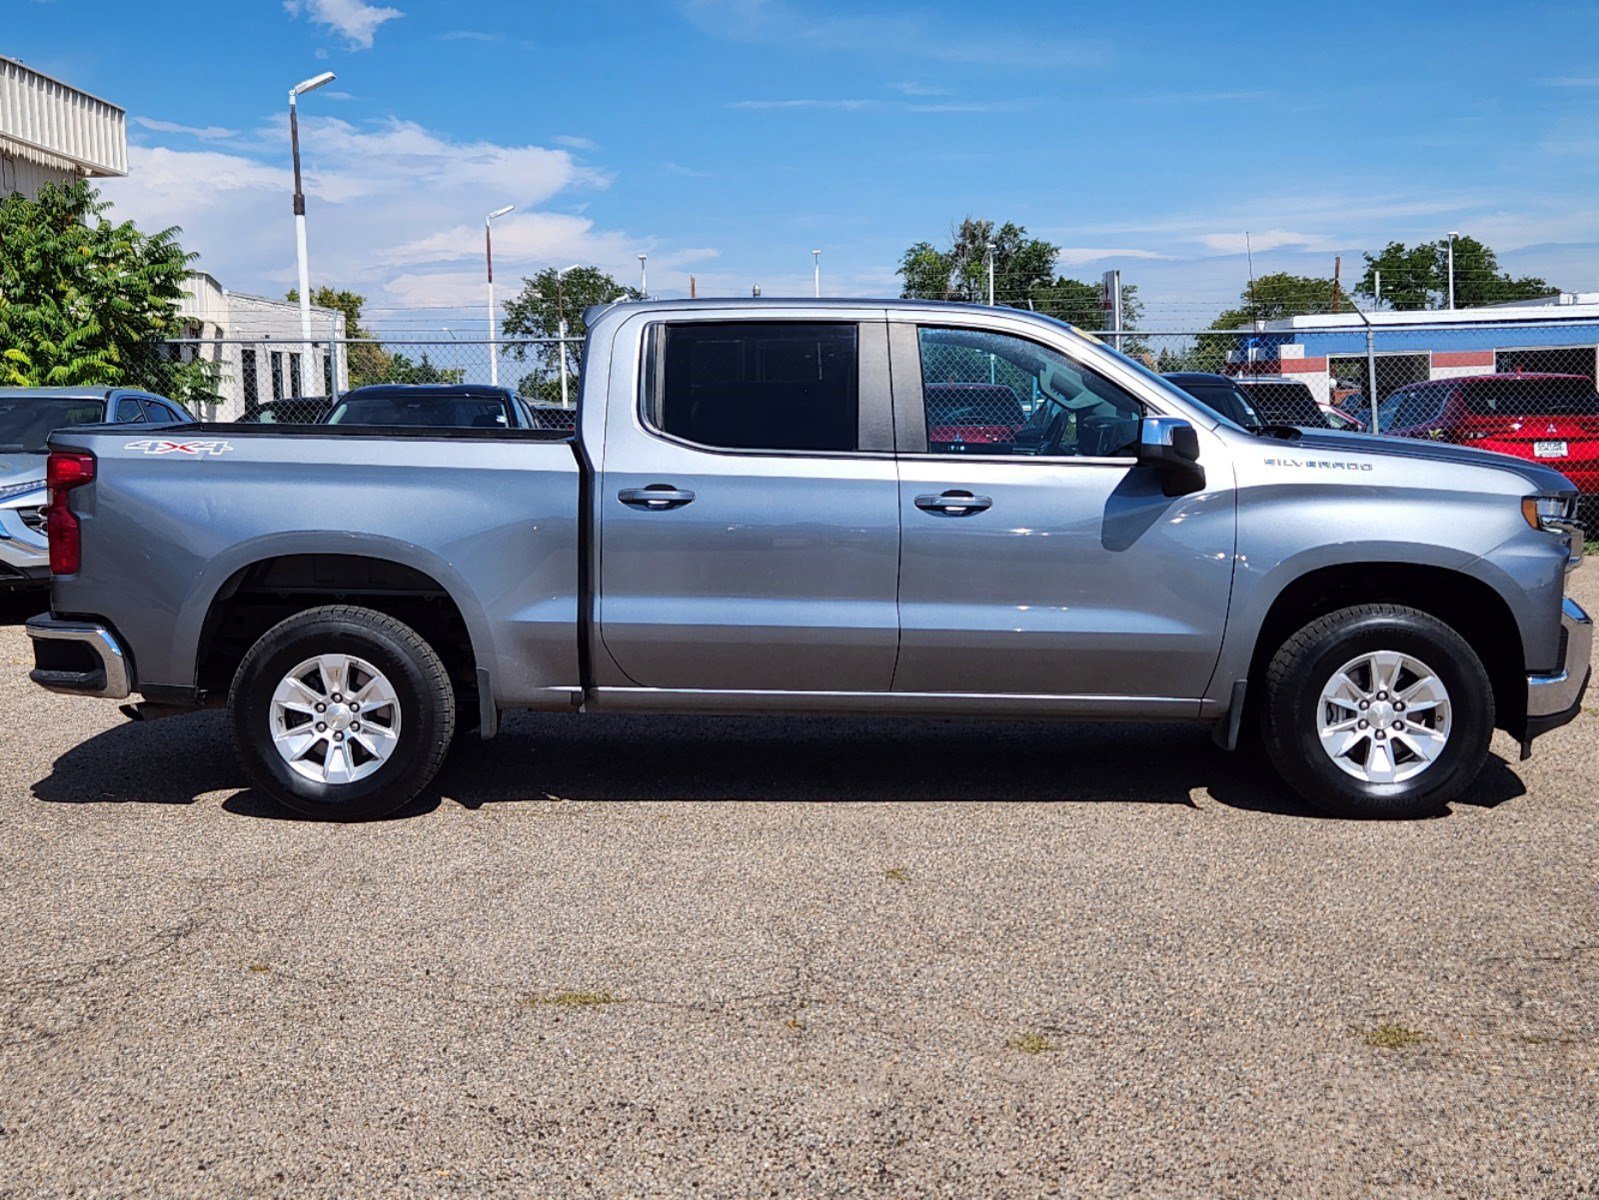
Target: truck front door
x=1038 y=558
x=747 y=507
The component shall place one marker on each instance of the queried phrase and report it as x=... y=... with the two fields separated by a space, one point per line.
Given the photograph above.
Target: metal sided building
x=50 y=132
x=1328 y=352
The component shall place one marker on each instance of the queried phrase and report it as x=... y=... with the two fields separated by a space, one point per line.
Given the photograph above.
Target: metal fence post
x=1371 y=373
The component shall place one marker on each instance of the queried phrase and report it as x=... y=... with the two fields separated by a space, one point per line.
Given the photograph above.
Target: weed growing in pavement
x=1031 y=1043
x=571 y=1000
x=897 y=875
x=258 y=968
x=1393 y=1037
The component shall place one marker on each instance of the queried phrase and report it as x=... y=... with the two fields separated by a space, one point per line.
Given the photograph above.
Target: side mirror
x=1171 y=446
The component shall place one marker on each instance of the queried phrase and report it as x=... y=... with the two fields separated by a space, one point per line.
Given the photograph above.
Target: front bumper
x=78 y=658
x=1553 y=700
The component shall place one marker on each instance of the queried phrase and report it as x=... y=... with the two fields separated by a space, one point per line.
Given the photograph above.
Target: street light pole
x=298 y=90
x=1452 y=236
x=816 y=266
x=643 y=277
x=560 y=309
x=991 y=248
x=494 y=325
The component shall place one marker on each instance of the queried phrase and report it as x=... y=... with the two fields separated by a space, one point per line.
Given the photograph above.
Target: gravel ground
x=965 y=960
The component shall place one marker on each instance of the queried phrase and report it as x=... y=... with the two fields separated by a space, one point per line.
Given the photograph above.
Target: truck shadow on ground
x=17 y=607
x=178 y=760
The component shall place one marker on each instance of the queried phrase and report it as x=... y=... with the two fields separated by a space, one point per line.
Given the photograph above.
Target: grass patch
x=1031 y=1043
x=571 y=1000
x=1392 y=1037
x=897 y=875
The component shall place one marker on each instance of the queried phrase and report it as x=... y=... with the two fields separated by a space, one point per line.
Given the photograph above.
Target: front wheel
x=342 y=713
x=1377 y=711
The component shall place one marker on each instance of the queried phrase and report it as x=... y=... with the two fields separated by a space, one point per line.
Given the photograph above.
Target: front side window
x=766 y=385
x=993 y=393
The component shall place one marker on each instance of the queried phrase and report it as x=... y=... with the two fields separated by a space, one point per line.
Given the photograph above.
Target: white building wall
x=50 y=132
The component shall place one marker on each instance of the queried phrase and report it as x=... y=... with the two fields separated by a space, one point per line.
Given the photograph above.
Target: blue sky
x=727 y=138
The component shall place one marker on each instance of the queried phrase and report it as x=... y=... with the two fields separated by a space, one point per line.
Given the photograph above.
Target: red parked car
x=978 y=414
x=1553 y=419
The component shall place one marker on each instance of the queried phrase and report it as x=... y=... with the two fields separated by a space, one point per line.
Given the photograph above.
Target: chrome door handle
x=953 y=503
x=658 y=497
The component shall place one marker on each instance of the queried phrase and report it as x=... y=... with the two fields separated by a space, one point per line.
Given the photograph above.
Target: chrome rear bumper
x=78 y=658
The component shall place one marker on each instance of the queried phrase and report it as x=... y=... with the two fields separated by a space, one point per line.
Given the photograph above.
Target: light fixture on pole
x=494 y=325
x=1452 y=236
x=298 y=90
x=816 y=269
x=643 y=277
x=560 y=310
x=991 y=248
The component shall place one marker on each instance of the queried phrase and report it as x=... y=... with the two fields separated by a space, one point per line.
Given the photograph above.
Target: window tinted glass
x=25 y=423
x=992 y=393
x=436 y=412
x=760 y=386
x=1286 y=404
x=1229 y=401
x=160 y=412
x=1532 y=397
x=128 y=410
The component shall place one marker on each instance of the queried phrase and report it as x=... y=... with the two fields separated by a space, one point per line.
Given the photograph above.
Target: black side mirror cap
x=1171 y=446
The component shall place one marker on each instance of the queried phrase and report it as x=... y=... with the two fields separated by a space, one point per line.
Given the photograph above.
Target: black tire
x=1291 y=711
x=420 y=683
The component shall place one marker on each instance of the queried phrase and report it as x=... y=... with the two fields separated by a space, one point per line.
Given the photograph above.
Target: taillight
x=63 y=472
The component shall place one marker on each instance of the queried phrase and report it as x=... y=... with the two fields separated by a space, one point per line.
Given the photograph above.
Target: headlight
x=1549 y=513
x=10 y=490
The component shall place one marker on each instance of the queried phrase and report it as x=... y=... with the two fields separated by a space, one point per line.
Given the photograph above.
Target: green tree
x=1417 y=277
x=367 y=361
x=403 y=370
x=1280 y=295
x=1024 y=277
x=546 y=299
x=85 y=300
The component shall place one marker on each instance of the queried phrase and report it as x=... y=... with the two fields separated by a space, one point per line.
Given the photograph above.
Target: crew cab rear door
x=747 y=506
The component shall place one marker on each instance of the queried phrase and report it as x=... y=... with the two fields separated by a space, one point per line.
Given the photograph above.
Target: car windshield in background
x=1224 y=401
x=1286 y=404
x=1533 y=397
x=25 y=425
x=432 y=412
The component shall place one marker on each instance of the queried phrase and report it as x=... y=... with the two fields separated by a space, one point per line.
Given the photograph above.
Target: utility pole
x=1338 y=263
x=991 y=248
x=1452 y=236
x=298 y=90
x=643 y=277
x=816 y=266
x=494 y=325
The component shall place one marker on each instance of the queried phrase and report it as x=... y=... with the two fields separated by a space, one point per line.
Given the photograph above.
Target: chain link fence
x=1525 y=388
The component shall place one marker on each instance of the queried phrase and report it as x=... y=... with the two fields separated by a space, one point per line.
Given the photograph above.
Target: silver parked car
x=27 y=418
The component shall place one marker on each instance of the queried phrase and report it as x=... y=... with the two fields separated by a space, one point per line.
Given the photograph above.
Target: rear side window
x=128 y=410
x=749 y=385
x=161 y=413
x=1286 y=404
x=1533 y=397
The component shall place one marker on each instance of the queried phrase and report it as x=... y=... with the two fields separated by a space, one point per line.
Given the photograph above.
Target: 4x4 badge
x=163 y=446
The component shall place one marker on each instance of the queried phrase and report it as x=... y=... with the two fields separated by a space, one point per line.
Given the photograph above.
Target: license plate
x=1549 y=450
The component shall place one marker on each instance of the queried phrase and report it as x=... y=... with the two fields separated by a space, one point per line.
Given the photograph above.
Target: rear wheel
x=342 y=713
x=1377 y=711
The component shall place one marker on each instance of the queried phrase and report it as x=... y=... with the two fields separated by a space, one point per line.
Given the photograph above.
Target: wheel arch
x=1467 y=604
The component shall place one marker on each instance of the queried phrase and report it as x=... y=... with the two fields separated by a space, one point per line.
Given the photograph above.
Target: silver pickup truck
x=823 y=507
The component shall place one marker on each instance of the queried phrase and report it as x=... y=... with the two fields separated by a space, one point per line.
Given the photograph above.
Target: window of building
x=766 y=385
x=296 y=380
x=247 y=374
x=994 y=393
x=277 y=374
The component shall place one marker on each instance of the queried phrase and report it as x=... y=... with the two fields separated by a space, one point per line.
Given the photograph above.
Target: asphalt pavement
x=736 y=957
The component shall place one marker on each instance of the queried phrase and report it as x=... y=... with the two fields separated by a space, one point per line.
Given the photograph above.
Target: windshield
x=26 y=423
x=436 y=412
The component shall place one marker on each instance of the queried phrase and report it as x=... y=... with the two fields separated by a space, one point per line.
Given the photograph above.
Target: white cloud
x=470 y=35
x=395 y=210
x=1076 y=256
x=1268 y=239
x=920 y=89
x=357 y=20
x=207 y=133
x=575 y=143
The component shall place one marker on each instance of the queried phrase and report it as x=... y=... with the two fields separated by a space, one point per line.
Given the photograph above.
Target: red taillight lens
x=63 y=472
